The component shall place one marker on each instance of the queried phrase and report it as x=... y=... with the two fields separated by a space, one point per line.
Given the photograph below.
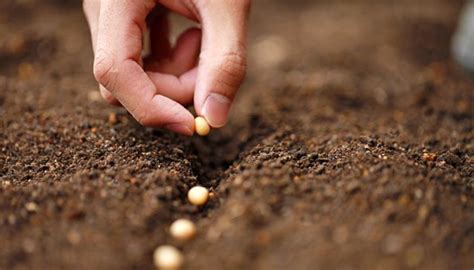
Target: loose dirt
x=350 y=146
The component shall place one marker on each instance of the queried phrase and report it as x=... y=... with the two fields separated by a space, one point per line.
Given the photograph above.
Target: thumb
x=222 y=63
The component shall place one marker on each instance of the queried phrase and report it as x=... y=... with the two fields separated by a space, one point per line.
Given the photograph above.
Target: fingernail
x=180 y=128
x=215 y=109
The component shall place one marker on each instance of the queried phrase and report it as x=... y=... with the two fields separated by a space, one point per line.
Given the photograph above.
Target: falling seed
x=183 y=229
x=198 y=195
x=201 y=125
x=168 y=257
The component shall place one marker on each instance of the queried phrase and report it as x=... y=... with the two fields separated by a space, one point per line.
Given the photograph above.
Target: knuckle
x=234 y=67
x=104 y=69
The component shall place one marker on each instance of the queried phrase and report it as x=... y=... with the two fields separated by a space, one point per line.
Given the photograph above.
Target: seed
x=198 y=195
x=168 y=257
x=201 y=125
x=183 y=229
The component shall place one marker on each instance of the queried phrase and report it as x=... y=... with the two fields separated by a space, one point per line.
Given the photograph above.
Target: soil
x=350 y=146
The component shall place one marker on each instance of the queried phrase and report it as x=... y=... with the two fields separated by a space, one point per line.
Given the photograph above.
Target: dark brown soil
x=350 y=147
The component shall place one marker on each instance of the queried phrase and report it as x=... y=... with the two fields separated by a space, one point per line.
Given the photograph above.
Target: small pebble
x=94 y=96
x=112 y=118
x=16 y=45
x=429 y=156
x=201 y=125
x=183 y=229
x=168 y=257
x=26 y=71
x=198 y=195
x=212 y=195
x=133 y=180
x=31 y=207
x=423 y=213
x=353 y=186
x=73 y=237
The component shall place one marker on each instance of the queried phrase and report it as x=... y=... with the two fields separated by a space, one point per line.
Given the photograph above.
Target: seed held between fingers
x=198 y=195
x=183 y=229
x=168 y=257
x=201 y=125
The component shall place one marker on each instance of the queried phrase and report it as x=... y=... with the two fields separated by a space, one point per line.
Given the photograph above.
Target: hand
x=155 y=89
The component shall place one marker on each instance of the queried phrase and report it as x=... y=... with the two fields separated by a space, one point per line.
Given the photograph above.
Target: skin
x=205 y=67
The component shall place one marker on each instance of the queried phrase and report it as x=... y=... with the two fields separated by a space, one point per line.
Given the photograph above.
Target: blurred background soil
x=350 y=146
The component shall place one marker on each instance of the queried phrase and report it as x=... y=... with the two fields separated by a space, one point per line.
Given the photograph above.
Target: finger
x=117 y=68
x=176 y=77
x=179 y=88
x=183 y=56
x=222 y=63
x=91 y=11
x=186 y=51
x=184 y=8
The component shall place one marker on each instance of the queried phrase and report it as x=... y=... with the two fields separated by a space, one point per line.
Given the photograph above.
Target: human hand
x=156 y=88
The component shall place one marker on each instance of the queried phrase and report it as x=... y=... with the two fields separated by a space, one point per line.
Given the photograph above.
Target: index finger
x=117 y=68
